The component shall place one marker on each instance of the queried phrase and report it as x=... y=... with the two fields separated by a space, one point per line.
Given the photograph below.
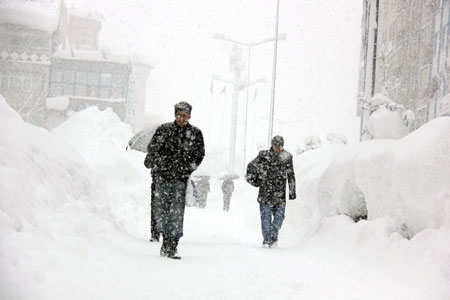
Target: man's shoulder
x=165 y=126
x=194 y=129
x=286 y=155
x=264 y=152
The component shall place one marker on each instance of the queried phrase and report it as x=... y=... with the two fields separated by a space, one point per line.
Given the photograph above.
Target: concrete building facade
x=404 y=55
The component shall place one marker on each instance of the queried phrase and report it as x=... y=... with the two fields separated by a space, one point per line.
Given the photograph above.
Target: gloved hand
x=292 y=196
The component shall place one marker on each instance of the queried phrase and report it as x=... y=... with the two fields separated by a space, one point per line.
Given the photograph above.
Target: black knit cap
x=183 y=106
x=278 y=141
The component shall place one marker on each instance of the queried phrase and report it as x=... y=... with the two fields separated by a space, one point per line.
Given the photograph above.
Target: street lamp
x=221 y=36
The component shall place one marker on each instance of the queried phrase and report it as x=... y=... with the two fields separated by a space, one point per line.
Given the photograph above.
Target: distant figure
x=191 y=194
x=175 y=150
x=227 y=189
x=203 y=188
x=269 y=171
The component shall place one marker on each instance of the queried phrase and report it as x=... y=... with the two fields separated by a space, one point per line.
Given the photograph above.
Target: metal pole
x=246 y=109
x=274 y=71
x=233 y=127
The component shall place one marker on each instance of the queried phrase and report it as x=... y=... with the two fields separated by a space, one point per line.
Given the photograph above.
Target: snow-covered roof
x=91 y=55
x=39 y=14
x=75 y=11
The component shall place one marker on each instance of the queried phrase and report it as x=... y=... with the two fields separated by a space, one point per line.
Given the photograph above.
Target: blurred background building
x=52 y=65
x=404 y=55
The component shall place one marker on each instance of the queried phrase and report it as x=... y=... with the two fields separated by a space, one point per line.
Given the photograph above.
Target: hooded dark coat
x=272 y=170
x=175 y=151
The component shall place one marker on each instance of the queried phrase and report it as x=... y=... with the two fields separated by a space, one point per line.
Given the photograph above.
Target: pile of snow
x=406 y=180
x=56 y=202
x=49 y=202
x=101 y=139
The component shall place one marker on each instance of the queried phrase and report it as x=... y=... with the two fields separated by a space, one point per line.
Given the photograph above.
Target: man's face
x=182 y=118
x=277 y=149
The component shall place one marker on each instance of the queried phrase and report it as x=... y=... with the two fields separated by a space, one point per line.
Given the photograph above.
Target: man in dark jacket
x=176 y=150
x=269 y=171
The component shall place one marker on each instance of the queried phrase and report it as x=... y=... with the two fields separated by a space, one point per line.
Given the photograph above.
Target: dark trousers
x=153 y=231
x=226 y=201
x=170 y=200
x=272 y=217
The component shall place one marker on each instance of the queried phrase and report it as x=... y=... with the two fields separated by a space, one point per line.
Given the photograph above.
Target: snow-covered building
x=397 y=57
x=440 y=102
x=27 y=37
x=63 y=61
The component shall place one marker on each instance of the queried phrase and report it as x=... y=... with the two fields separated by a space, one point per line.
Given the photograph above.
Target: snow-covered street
x=75 y=225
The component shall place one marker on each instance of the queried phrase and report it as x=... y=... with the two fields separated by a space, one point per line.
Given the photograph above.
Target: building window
x=117 y=93
x=93 y=91
x=68 y=89
x=4 y=81
x=105 y=79
x=15 y=81
x=81 y=90
x=86 y=39
x=22 y=82
x=93 y=78
x=57 y=75
x=69 y=76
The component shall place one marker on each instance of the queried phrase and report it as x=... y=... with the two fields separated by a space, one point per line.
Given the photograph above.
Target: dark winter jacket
x=176 y=151
x=270 y=173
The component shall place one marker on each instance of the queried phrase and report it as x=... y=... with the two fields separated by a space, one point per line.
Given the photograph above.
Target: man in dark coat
x=269 y=171
x=176 y=150
x=153 y=231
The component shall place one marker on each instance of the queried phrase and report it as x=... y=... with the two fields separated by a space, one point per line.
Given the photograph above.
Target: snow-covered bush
x=312 y=142
x=387 y=120
x=334 y=137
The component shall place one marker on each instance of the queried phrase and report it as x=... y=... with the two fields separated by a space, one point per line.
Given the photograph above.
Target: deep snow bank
x=59 y=202
x=100 y=138
x=407 y=180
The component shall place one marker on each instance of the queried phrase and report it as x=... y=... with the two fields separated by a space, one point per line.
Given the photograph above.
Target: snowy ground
x=74 y=214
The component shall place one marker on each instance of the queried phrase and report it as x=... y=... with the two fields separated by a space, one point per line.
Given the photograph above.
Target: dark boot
x=165 y=246
x=154 y=238
x=172 y=250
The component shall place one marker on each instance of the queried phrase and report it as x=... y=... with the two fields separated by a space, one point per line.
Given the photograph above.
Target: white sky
x=317 y=67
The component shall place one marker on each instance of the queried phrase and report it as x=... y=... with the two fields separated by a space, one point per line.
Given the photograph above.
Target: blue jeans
x=272 y=217
x=170 y=200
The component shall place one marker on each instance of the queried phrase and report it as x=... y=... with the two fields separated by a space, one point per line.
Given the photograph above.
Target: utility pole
x=274 y=72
